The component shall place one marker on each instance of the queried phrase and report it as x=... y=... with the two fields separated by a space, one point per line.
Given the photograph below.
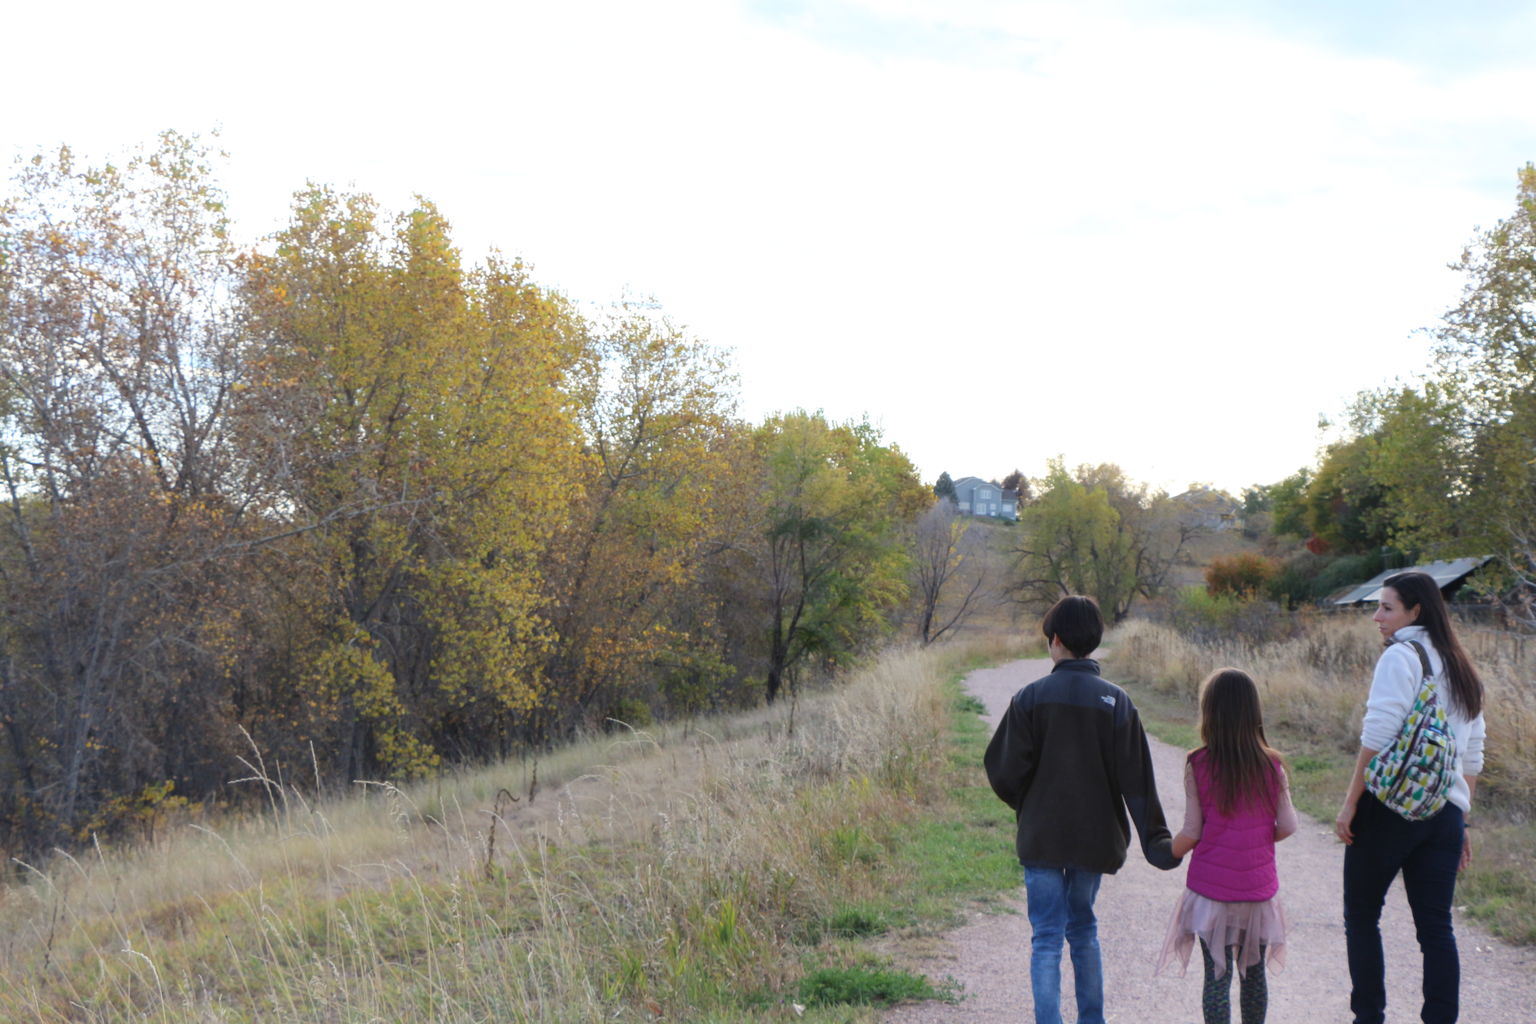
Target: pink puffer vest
x=1235 y=858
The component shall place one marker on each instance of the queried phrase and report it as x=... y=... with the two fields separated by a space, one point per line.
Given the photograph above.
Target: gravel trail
x=989 y=955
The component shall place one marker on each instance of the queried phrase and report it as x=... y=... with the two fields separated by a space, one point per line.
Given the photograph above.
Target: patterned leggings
x=1253 y=989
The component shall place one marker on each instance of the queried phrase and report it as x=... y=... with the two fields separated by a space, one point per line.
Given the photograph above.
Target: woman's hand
x=1466 y=824
x=1343 y=825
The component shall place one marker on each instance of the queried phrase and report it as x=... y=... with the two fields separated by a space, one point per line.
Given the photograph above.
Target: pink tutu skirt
x=1254 y=929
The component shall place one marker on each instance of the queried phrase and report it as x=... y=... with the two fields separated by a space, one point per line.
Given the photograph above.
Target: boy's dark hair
x=1076 y=620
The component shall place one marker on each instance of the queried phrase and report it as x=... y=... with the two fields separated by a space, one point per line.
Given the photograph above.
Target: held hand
x=1466 y=850
x=1161 y=856
x=1343 y=825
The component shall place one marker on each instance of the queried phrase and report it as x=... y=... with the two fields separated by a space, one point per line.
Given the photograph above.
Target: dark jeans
x=1427 y=853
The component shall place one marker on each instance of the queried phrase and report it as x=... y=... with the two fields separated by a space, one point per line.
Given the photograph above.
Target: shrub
x=1242 y=575
x=1202 y=617
x=1306 y=578
x=1347 y=571
x=1291 y=585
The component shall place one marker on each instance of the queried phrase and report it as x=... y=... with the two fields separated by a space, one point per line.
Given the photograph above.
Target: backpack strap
x=1423 y=658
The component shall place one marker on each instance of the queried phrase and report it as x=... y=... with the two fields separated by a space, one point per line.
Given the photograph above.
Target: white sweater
x=1393 y=688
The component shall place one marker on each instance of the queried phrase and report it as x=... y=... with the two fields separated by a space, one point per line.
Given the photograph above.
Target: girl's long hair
x=1419 y=590
x=1244 y=767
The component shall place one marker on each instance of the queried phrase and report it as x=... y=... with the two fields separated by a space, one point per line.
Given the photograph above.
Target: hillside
x=705 y=868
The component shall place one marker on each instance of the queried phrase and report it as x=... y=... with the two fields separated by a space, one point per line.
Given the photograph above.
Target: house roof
x=1208 y=499
x=1445 y=573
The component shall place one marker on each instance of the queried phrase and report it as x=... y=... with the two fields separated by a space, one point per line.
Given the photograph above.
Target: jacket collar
x=1414 y=632
x=1077 y=665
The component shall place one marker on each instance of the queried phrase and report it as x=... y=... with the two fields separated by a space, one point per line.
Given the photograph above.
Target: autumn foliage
x=345 y=503
x=1240 y=575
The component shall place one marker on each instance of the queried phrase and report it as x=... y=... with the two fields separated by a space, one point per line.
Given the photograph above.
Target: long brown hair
x=1419 y=590
x=1243 y=766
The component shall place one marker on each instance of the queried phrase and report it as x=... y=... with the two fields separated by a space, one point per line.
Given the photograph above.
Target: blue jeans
x=1427 y=853
x=1061 y=907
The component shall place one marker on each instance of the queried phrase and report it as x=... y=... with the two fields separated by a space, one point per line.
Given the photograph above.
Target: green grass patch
x=964 y=857
x=861 y=921
x=961 y=851
x=865 y=986
x=851 y=844
x=1170 y=718
x=1499 y=888
x=967 y=704
x=1319 y=772
x=858 y=921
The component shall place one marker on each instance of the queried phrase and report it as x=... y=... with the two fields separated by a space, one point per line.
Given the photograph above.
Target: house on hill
x=977 y=497
x=1210 y=509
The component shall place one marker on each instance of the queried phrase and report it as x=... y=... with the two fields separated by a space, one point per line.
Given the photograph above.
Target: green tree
x=1455 y=449
x=1423 y=454
x=1257 y=499
x=1488 y=348
x=1019 y=483
x=834 y=500
x=1073 y=544
x=1098 y=534
x=1488 y=339
x=1347 y=504
x=945 y=488
x=1287 y=500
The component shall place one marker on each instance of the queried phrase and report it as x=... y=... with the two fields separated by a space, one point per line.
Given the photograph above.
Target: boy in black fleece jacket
x=1071 y=758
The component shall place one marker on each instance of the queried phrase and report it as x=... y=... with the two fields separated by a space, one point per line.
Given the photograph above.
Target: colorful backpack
x=1414 y=775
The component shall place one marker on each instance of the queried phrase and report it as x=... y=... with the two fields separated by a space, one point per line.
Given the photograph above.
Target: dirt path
x=989 y=956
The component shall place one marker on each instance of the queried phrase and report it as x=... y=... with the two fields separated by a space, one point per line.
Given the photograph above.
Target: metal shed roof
x=1445 y=573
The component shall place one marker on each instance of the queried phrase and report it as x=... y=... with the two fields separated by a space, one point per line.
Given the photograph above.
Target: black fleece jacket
x=1071 y=758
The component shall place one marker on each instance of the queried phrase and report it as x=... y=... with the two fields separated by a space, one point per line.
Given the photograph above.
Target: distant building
x=1451 y=574
x=1210 y=509
x=977 y=497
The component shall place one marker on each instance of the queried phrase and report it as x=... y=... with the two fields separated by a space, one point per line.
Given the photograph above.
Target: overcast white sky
x=1165 y=233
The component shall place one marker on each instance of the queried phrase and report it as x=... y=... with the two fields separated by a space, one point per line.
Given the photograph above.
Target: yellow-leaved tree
x=654 y=406
x=420 y=413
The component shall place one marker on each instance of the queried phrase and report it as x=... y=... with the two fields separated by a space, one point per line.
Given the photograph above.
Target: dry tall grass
x=653 y=874
x=1316 y=683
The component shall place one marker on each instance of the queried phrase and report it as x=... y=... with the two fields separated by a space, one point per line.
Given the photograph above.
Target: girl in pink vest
x=1237 y=805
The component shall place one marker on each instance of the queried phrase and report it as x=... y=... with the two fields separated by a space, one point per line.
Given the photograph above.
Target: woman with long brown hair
x=1379 y=842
